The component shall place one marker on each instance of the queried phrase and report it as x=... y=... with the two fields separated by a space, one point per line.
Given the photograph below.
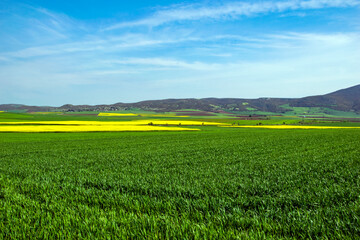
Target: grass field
x=301 y=111
x=220 y=182
x=318 y=111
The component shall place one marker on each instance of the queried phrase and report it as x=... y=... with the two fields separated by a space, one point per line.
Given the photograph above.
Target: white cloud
x=172 y=61
x=104 y=45
x=163 y=62
x=231 y=10
x=53 y=21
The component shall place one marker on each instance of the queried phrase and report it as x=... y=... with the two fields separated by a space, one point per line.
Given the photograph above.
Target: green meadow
x=217 y=183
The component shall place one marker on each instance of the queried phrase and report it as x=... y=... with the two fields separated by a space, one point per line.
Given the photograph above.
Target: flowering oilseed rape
x=89 y=128
x=117 y=114
x=137 y=122
x=137 y=115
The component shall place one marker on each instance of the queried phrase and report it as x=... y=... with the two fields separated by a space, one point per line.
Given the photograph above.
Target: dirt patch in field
x=252 y=118
x=224 y=112
x=337 y=119
x=183 y=113
x=348 y=119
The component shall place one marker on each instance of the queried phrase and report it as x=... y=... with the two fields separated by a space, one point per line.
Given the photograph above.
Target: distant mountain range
x=347 y=100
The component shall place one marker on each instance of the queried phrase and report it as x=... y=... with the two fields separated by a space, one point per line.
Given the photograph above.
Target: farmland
x=217 y=182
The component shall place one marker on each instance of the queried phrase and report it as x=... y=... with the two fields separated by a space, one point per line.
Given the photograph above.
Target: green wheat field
x=216 y=183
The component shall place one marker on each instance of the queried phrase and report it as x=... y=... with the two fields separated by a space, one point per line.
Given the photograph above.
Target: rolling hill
x=346 y=100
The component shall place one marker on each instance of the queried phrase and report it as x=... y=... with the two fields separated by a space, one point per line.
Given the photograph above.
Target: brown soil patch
x=183 y=113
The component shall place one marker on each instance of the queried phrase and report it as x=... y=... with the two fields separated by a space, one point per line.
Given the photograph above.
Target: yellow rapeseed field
x=117 y=115
x=101 y=126
x=181 y=122
x=117 y=123
x=135 y=115
x=292 y=127
x=88 y=128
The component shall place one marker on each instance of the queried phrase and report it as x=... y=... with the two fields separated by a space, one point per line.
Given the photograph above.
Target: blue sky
x=103 y=52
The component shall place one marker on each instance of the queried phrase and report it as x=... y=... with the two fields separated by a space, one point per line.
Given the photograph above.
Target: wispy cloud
x=34 y=26
x=58 y=23
x=231 y=10
x=165 y=62
x=46 y=55
x=105 y=44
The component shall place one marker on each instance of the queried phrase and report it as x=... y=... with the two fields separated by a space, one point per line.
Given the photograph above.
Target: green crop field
x=217 y=183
